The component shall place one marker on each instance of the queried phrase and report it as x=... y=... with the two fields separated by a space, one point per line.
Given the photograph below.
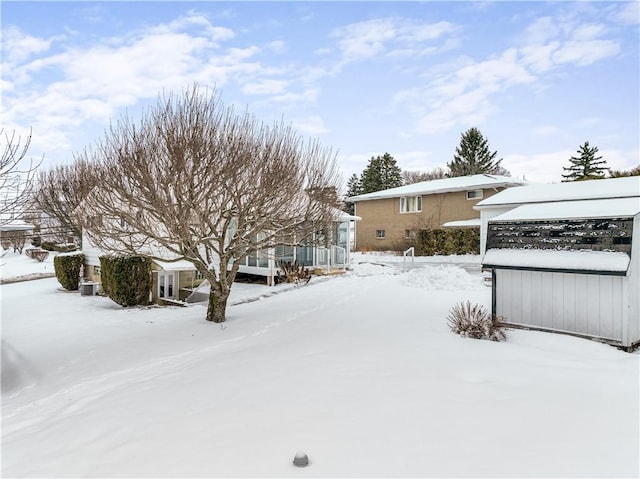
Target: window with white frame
x=474 y=194
x=410 y=234
x=410 y=204
x=380 y=234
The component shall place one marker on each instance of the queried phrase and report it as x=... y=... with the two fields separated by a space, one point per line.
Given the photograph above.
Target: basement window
x=380 y=234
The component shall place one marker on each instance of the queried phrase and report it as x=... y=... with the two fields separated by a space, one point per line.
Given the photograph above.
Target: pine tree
x=586 y=166
x=473 y=156
x=354 y=188
x=381 y=173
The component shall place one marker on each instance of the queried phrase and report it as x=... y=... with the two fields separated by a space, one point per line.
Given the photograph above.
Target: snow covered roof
x=609 y=208
x=344 y=216
x=16 y=225
x=576 y=190
x=459 y=183
x=180 y=265
x=462 y=223
x=601 y=261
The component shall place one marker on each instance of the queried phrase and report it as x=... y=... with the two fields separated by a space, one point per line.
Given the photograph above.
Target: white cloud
x=18 y=46
x=583 y=53
x=627 y=13
x=265 y=87
x=392 y=36
x=312 y=125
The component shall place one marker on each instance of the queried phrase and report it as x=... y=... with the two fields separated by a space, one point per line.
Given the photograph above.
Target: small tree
x=473 y=156
x=194 y=180
x=381 y=173
x=354 y=188
x=585 y=166
x=60 y=191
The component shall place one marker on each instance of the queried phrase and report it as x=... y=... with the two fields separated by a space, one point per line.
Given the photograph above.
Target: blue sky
x=537 y=78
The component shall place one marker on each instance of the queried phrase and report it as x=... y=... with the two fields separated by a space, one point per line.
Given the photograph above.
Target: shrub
x=293 y=273
x=126 y=279
x=59 y=247
x=67 y=268
x=446 y=241
x=474 y=321
x=41 y=255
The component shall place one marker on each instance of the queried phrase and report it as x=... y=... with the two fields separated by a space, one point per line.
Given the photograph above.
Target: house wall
x=587 y=304
x=384 y=214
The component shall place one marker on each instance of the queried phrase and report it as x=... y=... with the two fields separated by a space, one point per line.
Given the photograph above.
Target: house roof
x=607 y=208
x=16 y=225
x=571 y=191
x=445 y=185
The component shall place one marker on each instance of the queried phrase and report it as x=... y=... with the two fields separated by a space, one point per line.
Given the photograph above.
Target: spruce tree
x=473 y=156
x=354 y=188
x=586 y=166
x=381 y=173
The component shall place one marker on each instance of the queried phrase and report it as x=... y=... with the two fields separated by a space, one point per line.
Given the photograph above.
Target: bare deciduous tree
x=195 y=180
x=410 y=177
x=60 y=191
x=17 y=176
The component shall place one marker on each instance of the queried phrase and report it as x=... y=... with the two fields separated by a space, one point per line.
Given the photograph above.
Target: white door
x=166 y=288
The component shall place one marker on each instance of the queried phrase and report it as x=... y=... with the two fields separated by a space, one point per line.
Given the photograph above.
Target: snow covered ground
x=360 y=372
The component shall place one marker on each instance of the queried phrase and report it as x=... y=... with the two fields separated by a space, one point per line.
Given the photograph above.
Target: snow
x=459 y=183
x=610 y=208
x=179 y=265
x=628 y=187
x=14 y=265
x=462 y=223
x=605 y=261
x=358 y=371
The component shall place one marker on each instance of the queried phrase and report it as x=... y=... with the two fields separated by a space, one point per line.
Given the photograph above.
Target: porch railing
x=410 y=253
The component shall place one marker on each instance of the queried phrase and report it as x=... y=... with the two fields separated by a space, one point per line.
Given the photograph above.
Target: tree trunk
x=217 y=308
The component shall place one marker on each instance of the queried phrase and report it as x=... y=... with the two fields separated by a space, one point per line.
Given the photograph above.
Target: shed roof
x=557 y=260
x=571 y=191
x=179 y=265
x=445 y=185
x=607 y=208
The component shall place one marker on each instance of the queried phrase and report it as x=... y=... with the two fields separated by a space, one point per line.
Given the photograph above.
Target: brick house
x=390 y=218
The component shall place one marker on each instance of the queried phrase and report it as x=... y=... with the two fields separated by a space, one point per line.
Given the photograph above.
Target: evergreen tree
x=381 y=173
x=354 y=188
x=473 y=156
x=586 y=166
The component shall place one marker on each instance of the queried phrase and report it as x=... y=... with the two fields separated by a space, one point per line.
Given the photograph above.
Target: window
x=380 y=234
x=198 y=275
x=474 y=194
x=409 y=234
x=96 y=270
x=410 y=204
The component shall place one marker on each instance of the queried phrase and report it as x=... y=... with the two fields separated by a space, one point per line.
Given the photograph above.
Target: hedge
x=447 y=241
x=67 y=267
x=126 y=279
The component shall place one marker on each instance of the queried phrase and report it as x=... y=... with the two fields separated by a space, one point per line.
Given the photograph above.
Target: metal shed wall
x=587 y=304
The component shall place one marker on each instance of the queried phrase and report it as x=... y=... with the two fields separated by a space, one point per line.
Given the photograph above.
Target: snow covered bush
x=40 y=255
x=126 y=279
x=67 y=268
x=474 y=321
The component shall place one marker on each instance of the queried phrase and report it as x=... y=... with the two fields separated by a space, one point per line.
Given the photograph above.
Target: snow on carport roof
x=603 y=261
x=570 y=191
x=609 y=208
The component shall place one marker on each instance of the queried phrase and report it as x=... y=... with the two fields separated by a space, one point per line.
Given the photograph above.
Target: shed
x=570 y=266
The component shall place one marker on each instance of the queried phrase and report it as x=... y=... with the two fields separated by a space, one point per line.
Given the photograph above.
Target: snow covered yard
x=359 y=371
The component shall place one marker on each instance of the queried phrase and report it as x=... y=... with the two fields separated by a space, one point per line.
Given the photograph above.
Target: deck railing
x=410 y=253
